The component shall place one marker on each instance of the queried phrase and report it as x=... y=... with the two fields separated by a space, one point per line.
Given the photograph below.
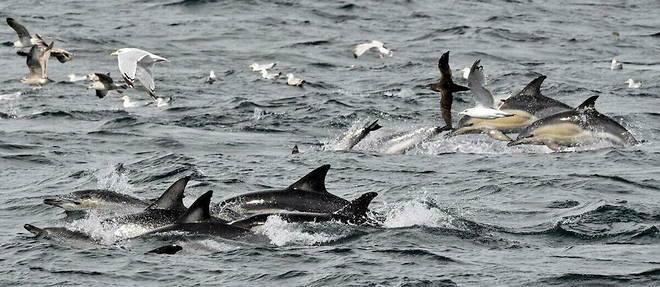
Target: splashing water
x=416 y=212
x=283 y=233
x=113 y=177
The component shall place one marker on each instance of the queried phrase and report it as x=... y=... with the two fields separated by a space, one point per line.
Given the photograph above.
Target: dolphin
x=198 y=220
x=402 y=143
x=63 y=235
x=167 y=249
x=581 y=126
x=165 y=210
x=446 y=87
x=93 y=199
x=527 y=106
x=306 y=195
x=353 y=213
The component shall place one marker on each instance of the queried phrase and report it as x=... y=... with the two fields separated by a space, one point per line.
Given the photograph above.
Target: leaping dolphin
x=306 y=195
x=353 y=213
x=446 y=87
x=93 y=199
x=581 y=126
x=527 y=106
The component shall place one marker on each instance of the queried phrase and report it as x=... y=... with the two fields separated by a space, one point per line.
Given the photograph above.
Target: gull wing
x=361 y=48
x=22 y=32
x=482 y=96
x=128 y=63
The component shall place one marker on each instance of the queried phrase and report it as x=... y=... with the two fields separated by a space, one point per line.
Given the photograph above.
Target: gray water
x=466 y=211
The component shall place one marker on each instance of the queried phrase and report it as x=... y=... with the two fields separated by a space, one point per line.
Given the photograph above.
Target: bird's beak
x=113 y=53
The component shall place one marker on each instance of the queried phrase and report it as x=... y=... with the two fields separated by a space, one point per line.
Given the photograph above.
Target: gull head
x=119 y=52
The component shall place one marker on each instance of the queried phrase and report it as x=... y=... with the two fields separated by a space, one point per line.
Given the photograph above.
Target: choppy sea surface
x=463 y=211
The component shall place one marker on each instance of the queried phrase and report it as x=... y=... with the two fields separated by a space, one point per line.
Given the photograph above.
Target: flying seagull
x=37 y=62
x=135 y=64
x=103 y=83
x=485 y=103
x=26 y=40
x=362 y=48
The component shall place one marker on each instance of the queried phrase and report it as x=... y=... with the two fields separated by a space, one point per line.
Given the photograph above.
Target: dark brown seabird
x=446 y=88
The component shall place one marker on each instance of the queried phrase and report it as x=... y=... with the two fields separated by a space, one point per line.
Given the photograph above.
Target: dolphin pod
x=234 y=218
x=580 y=126
x=536 y=118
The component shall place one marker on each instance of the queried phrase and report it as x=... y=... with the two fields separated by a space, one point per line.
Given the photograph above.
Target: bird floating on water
x=485 y=102
x=616 y=65
x=163 y=102
x=633 y=84
x=131 y=104
x=270 y=76
x=259 y=67
x=211 y=79
x=362 y=48
x=293 y=81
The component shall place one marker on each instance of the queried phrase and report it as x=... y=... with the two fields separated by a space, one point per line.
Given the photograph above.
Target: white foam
x=111 y=179
x=283 y=233
x=416 y=212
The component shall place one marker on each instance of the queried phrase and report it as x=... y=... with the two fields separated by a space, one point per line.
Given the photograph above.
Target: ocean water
x=464 y=211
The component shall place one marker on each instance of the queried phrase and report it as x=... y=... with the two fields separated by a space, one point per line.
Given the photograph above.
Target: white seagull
x=293 y=81
x=616 y=65
x=258 y=67
x=130 y=104
x=211 y=79
x=633 y=84
x=485 y=103
x=270 y=76
x=163 y=102
x=362 y=48
x=136 y=64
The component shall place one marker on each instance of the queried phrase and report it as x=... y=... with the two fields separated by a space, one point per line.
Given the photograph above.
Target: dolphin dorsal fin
x=588 y=104
x=172 y=198
x=199 y=210
x=357 y=207
x=313 y=181
x=533 y=89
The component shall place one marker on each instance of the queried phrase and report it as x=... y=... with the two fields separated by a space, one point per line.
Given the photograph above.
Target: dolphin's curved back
x=172 y=198
x=531 y=100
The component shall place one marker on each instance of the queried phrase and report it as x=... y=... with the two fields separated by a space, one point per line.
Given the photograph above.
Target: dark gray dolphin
x=353 y=213
x=93 y=199
x=198 y=220
x=446 y=87
x=527 y=106
x=165 y=210
x=306 y=195
x=581 y=126
x=63 y=235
